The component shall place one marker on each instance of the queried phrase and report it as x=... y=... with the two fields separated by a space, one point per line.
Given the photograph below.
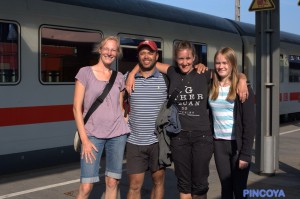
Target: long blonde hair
x=230 y=56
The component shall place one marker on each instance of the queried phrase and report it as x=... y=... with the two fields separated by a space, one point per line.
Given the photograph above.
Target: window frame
x=63 y=28
x=139 y=38
x=18 y=56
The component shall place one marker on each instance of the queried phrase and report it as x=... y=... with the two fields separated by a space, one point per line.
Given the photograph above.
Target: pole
x=267 y=76
x=237 y=10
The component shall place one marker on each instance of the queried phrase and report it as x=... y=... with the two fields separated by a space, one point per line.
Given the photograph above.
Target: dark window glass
x=294 y=68
x=65 y=51
x=129 y=47
x=9 y=53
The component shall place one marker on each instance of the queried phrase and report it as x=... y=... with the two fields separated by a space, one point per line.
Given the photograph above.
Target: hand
x=126 y=118
x=242 y=90
x=243 y=164
x=200 y=68
x=130 y=83
x=87 y=151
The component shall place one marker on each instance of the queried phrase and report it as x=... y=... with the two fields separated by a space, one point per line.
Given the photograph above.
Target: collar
x=154 y=74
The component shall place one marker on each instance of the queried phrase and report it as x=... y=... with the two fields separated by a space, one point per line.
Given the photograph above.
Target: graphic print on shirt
x=188 y=100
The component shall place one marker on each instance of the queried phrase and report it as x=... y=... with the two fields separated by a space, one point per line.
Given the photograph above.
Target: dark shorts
x=141 y=158
x=191 y=153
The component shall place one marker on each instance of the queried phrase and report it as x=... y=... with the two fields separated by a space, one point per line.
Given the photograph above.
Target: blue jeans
x=114 y=150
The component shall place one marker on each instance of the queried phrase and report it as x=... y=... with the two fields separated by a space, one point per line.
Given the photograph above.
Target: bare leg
x=111 y=188
x=185 y=196
x=158 y=179
x=135 y=185
x=84 y=190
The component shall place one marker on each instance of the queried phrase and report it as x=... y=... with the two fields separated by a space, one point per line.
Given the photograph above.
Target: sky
x=289 y=11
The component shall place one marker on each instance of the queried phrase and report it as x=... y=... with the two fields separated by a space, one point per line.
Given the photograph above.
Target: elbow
x=76 y=110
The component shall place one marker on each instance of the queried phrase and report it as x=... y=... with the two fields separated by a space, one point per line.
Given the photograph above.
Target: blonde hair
x=230 y=56
x=100 y=45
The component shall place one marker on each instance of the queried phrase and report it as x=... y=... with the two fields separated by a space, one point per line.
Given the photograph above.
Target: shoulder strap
x=101 y=98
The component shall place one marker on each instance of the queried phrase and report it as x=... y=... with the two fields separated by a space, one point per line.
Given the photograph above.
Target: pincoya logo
x=263 y=193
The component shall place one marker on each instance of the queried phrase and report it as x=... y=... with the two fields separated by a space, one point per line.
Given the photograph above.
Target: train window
x=294 y=69
x=129 y=48
x=64 y=51
x=201 y=52
x=9 y=53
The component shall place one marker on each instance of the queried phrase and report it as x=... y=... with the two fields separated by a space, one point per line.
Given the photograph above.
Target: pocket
x=209 y=139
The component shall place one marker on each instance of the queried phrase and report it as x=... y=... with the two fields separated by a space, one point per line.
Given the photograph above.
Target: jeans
x=114 y=150
x=233 y=180
x=191 y=154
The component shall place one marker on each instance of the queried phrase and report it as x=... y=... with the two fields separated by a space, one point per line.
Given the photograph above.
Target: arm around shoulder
x=161 y=67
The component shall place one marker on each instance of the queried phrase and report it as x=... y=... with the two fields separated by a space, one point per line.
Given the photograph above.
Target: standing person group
x=233 y=125
x=142 y=150
x=191 y=149
x=106 y=127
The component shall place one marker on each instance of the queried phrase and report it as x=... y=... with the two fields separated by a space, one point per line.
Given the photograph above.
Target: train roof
x=247 y=29
x=157 y=11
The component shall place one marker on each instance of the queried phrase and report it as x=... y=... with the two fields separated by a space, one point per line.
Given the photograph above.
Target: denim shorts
x=114 y=151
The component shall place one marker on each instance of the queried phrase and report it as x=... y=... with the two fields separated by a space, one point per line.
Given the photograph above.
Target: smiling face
x=147 y=58
x=109 y=52
x=185 y=60
x=223 y=66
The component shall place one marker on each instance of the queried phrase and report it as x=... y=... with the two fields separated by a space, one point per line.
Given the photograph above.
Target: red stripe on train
x=35 y=114
x=295 y=96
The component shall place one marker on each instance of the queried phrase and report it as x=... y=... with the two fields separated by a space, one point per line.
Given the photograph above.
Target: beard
x=145 y=69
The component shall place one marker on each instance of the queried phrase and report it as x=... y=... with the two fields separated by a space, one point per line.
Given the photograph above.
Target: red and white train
x=43 y=43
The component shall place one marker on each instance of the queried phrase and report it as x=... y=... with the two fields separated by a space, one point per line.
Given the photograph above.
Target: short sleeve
x=121 y=80
x=82 y=75
x=171 y=71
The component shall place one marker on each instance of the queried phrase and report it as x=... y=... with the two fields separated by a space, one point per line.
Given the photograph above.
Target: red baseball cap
x=149 y=43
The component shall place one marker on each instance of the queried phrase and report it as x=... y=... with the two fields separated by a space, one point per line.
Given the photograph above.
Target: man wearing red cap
x=142 y=151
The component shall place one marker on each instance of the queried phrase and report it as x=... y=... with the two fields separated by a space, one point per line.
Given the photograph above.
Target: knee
x=135 y=186
x=112 y=183
x=85 y=189
x=158 y=178
x=158 y=182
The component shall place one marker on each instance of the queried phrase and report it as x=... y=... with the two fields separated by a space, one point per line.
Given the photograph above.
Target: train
x=43 y=44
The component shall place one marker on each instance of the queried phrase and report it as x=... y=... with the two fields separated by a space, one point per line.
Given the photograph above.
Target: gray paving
x=61 y=182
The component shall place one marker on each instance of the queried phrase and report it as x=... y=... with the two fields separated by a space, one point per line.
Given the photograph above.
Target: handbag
x=97 y=102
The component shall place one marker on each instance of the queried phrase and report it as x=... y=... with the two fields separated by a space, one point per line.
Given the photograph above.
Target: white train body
x=44 y=43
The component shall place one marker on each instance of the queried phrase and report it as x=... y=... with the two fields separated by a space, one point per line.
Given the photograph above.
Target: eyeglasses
x=109 y=50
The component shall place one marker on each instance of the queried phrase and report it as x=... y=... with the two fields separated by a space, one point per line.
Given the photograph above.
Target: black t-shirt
x=192 y=100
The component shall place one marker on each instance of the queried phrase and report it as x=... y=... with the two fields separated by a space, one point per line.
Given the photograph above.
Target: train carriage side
x=44 y=43
x=289 y=76
x=289 y=68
